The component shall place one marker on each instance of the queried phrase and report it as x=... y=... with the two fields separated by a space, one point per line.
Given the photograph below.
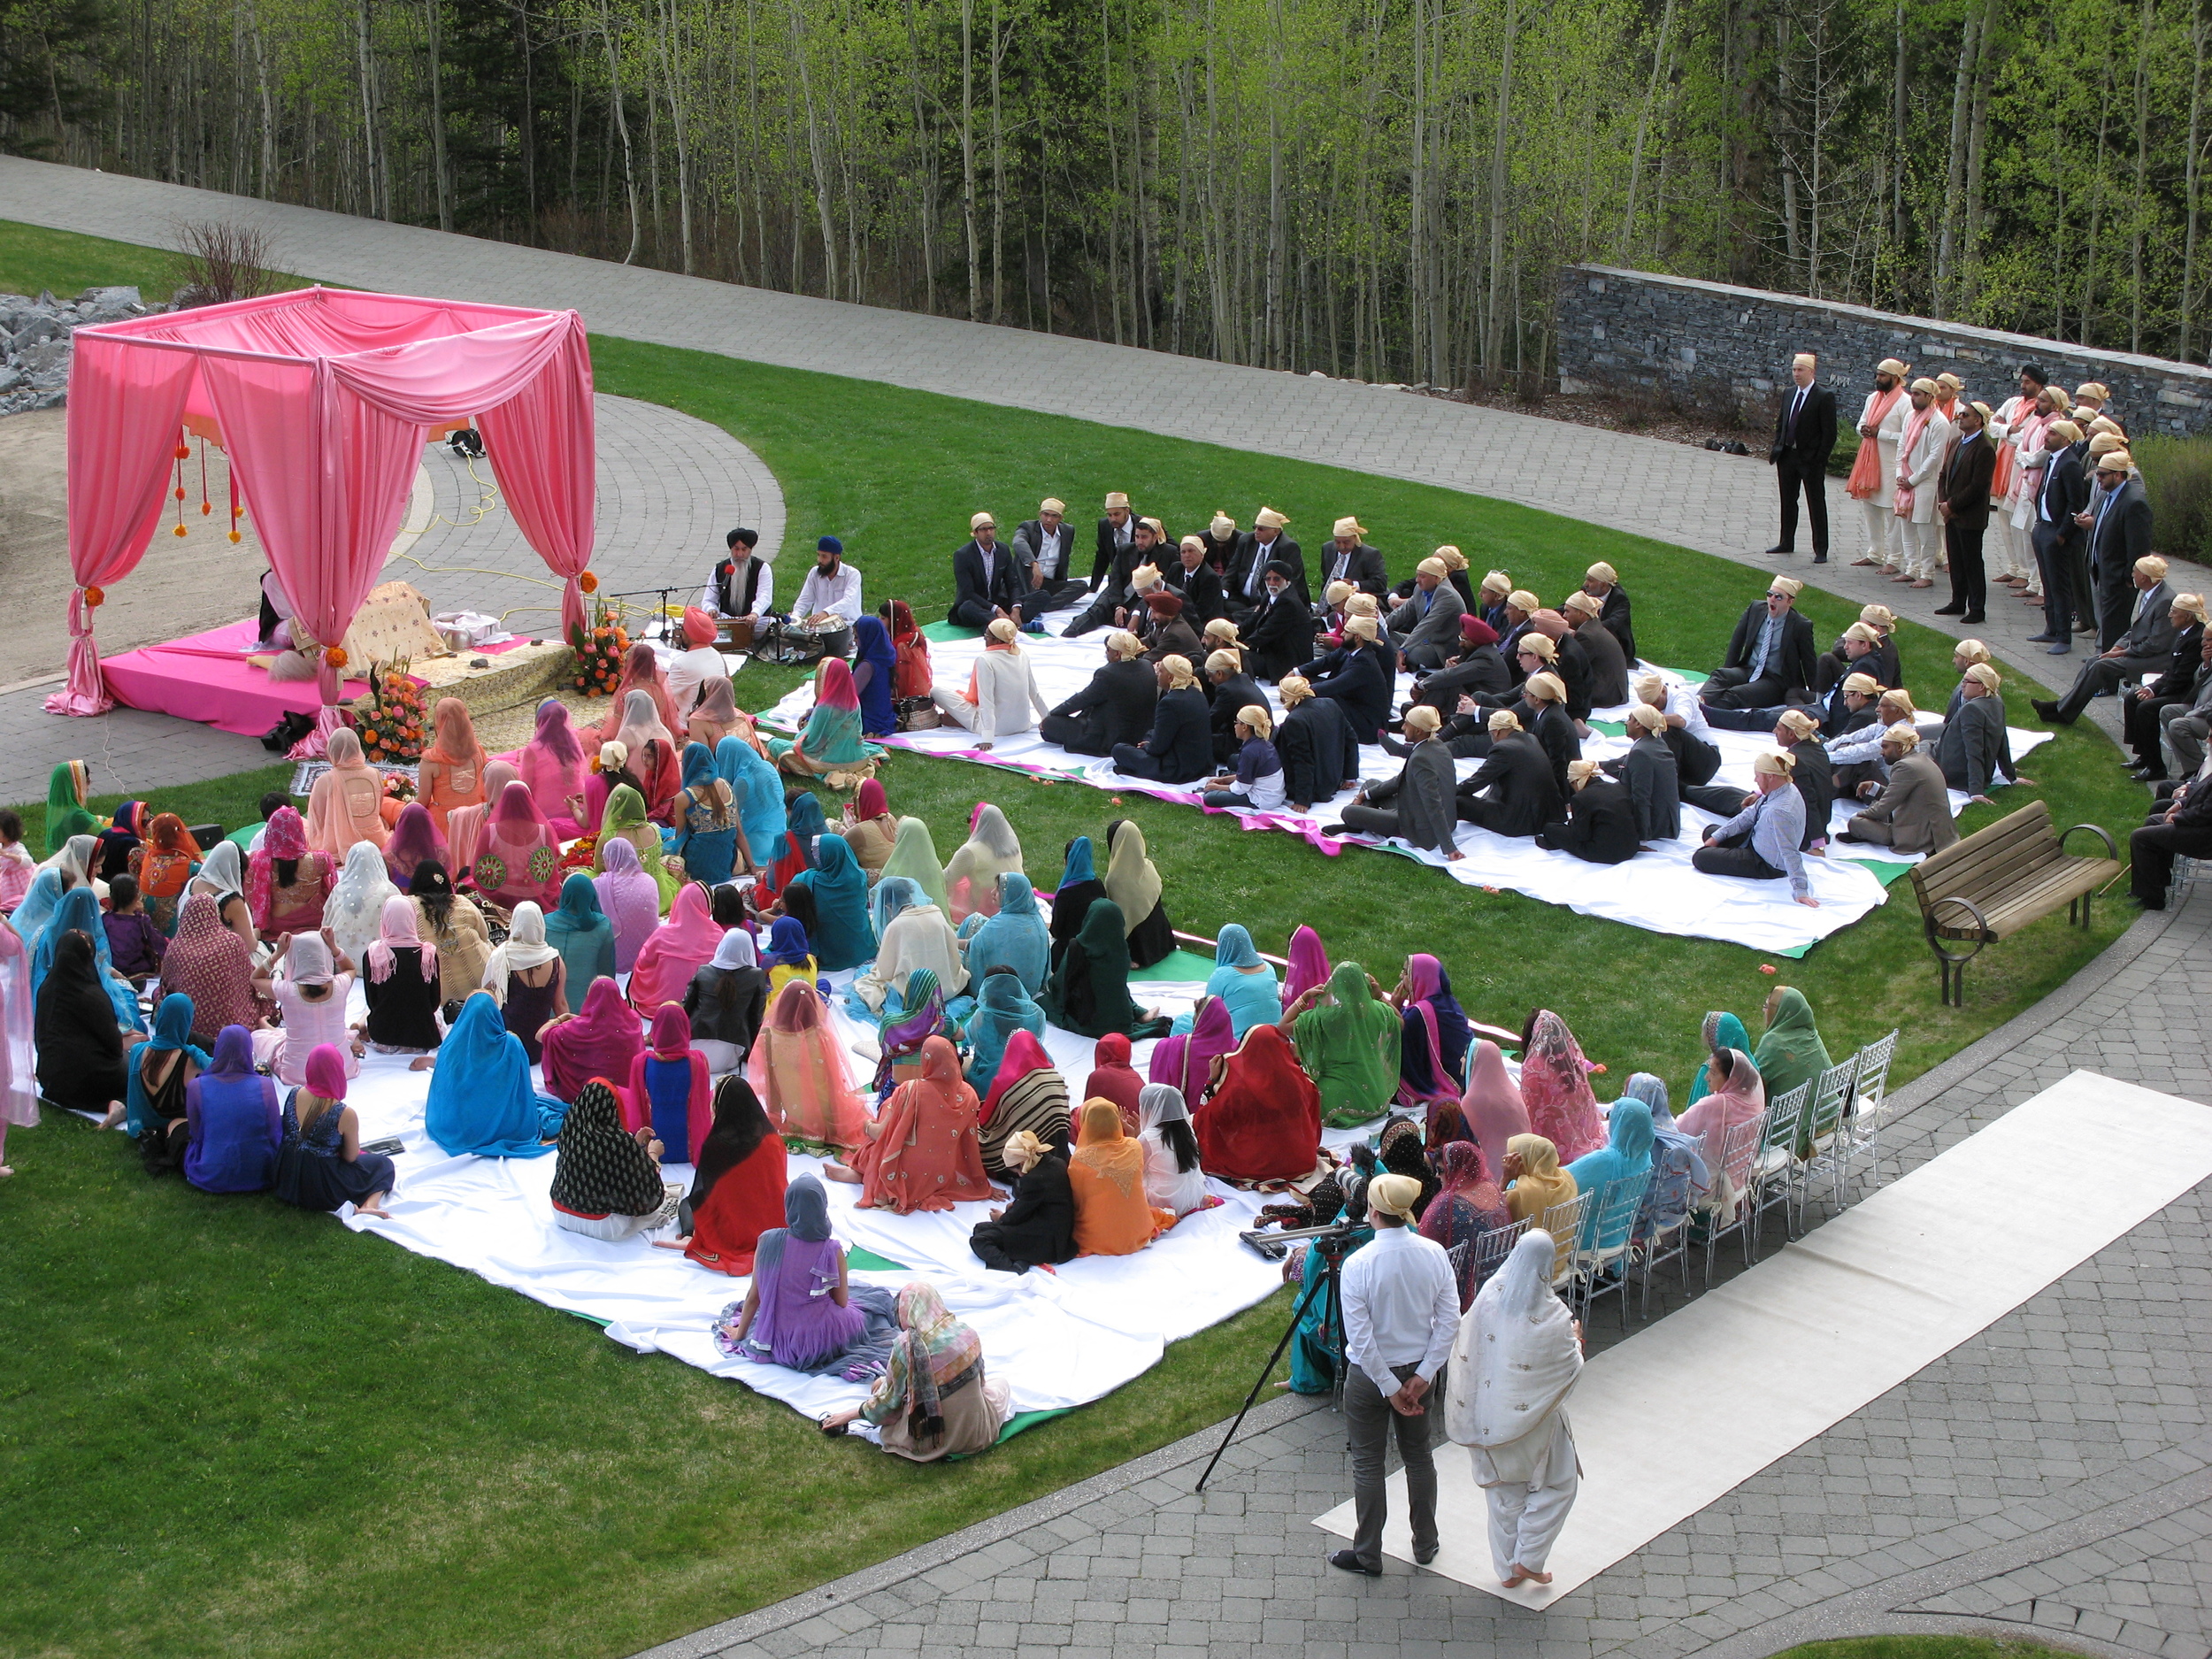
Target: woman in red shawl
x=913 y=677
x=1263 y=1122
x=1113 y=1077
x=164 y=864
x=1187 y=1062
x=678 y=949
x=602 y=1041
x=922 y=1154
x=1556 y=1089
x=285 y=884
x=869 y=828
x=737 y=1193
x=652 y=762
x=518 y=855
x=669 y=1089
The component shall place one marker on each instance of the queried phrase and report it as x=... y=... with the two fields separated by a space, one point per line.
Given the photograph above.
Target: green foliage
x=2177 y=476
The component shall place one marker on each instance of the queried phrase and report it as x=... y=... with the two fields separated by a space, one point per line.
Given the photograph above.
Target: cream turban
x=1863 y=685
x=1125 y=644
x=2104 y=444
x=1453 y=559
x=2151 y=566
x=2065 y=429
x=1115 y=498
x=2191 y=604
x=1294 y=690
x=1983 y=410
x=1646 y=716
x=1436 y=567
x=1504 y=720
x=1145 y=576
x=1548 y=687
x=1804 y=360
x=1022 y=1149
x=1863 y=635
x=1348 y=527
x=1003 y=631
x=1393 y=1194
x=2060 y=400
x=1580 y=772
x=1336 y=593
x=1799 y=723
x=1360 y=628
x=1052 y=504
x=1788 y=585
x=1524 y=602
x=2116 y=461
x=1497 y=582
x=1771 y=763
x=1949 y=383
x=2105 y=424
x=1193 y=544
x=1971 y=650
x=1877 y=616
x=1898 y=698
x=2095 y=390
x=1538 y=645
x=613 y=755
x=1268 y=518
x=1891 y=365
x=1582 y=601
x=1158 y=529
x=1652 y=690
x=1178 y=671
x=1601 y=571
x=1221 y=628
x=1422 y=718
x=980 y=519
x=1223 y=524
x=1904 y=734
x=1983 y=674
x=1258 y=719
x=1224 y=663
x=1923 y=384
x=1361 y=605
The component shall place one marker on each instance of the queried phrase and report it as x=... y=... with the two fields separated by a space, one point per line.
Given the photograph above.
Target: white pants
x=1525 y=1521
x=613 y=1227
x=1884 y=535
x=1923 y=549
x=721 y=1058
x=955 y=708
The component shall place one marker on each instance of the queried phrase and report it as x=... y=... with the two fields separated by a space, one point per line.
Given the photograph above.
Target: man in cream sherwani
x=1882 y=424
x=1920 y=451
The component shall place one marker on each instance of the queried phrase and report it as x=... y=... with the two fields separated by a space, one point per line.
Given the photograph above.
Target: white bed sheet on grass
x=1657 y=890
x=1058 y=1339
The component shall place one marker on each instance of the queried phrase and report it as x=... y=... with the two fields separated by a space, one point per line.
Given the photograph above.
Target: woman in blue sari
x=1079 y=888
x=892 y=895
x=580 y=930
x=154 y=1111
x=841 y=934
x=1720 y=1031
x=481 y=1100
x=875 y=662
x=757 y=793
x=706 y=818
x=1246 y=986
x=1002 y=1007
x=830 y=740
x=1016 y=938
x=1626 y=1157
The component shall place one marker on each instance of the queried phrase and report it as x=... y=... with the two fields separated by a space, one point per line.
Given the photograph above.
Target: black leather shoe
x=1780 y=552
x=1819 y=559
x=1949 y=611
x=1422 y=1557
x=1972 y=619
x=1345 y=1561
x=2050 y=711
x=2146 y=774
x=2043 y=639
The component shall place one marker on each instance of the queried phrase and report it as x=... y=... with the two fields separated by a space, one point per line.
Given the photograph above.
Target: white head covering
x=1516 y=1357
x=308 y=962
x=225 y=870
x=736 y=951
x=525 y=948
x=1162 y=1103
x=354 y=909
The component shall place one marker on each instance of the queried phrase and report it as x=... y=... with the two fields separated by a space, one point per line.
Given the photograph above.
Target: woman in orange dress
x=922 y=1153
x=346 y=805
x=1106 y=1172
x=451 y=773
x=798 y=1068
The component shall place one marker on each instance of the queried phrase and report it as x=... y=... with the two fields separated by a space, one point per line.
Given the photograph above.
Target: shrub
x=2177 y=475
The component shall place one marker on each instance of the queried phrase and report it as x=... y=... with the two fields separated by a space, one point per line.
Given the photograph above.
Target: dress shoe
x=2144 y=775
x=1972 y=619
x=1780 y=552
x=2061 y=650
x=1949 y=611
x=1820 y=559
x=2050 y=711
x=2041 y=639
x=1423 y=1556
x=1349 y=1562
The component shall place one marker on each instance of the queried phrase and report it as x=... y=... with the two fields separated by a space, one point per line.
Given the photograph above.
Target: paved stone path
x=2053 y=1472
x=670 y=488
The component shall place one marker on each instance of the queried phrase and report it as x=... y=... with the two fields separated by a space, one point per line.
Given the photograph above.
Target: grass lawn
x=232 y=1427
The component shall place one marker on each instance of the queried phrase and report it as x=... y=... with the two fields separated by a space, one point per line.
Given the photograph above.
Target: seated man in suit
x=1116 y=707
x=1876 y=654
x=1770 y=656
x=1279 y=635
x=1860 y=643
x=1262 y=544
x=2146 y=648
x=1044 y=547
x=1191 y=576
x=1477 y=669
x=1119 y=602
x=1349 y=559
x=1425 y=628
x=1765 y=841
x=1320 y=756
x=1912 y=811
x=1416 y=805
x=2147 y=707
x=2182 y=828
x=1514 y=792
x=1228 y=688
x=1602 y=583
x=986 y=581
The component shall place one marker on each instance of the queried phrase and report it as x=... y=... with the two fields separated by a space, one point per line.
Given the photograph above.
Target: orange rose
x=588 y=582
x=336 y=656
x=94 y=596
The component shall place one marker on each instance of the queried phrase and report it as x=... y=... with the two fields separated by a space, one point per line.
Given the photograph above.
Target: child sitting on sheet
x=134 y=940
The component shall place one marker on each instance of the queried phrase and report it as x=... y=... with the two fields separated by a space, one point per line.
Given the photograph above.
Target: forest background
x=1384 y=189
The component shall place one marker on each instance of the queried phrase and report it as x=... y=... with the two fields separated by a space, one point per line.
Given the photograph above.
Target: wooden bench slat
x=2031 y=903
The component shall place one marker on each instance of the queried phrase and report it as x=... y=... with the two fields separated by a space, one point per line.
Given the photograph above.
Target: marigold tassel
x=206 y=506
x=233 y=505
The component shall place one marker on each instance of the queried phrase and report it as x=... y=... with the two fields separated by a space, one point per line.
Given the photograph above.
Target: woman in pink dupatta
x=1556 y=1089
x=346 y=805
x=519 y=856
x=465 y=825
x=1308 y=966
x=923 y=1153
x=1737 y=1098
x=1491 y=1110
x=799 y=1072
x=654 y=765
x=552 y=764
x=602 y=1041
x=680 y=947
x=1187 y=1062
x=631 y=899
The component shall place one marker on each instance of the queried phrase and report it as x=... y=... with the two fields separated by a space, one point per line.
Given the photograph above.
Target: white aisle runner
x=1672 y=1419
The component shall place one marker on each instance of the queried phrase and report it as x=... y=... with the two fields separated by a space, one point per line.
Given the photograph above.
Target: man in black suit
x=1769 y=659
x=1116 y=534
x=2119 y=539
x=1116 y=707
x=1262 y=544
x=1192 y=578
x=2143 y=710
x=1044 y=547
x=1513 y=792
x=1279 y=635
x=1804 y=436
x=2065 y=492
x=1602 y=583
x=1347 y=558
x=1116 y=604
x=1962 y=502
x=985 y=581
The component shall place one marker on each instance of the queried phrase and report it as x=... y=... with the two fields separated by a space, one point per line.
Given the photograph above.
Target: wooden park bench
x=1994 y=883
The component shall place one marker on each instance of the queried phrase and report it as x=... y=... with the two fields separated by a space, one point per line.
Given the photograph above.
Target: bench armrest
x=1930 y=925
x=2097 y=830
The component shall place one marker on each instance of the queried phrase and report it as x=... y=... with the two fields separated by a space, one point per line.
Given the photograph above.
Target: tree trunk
x=435 y=45
x=1643 y=127
x=2189 y=183
x=1491 y=354
x=816 y=155
x=2142 y=170
x=1946 y=243
x=967 y=157
x=621 y=124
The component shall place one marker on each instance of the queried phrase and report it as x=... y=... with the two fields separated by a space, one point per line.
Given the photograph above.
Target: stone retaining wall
x=1709 y=344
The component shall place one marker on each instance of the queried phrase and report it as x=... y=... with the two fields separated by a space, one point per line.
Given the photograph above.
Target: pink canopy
x=322 y=398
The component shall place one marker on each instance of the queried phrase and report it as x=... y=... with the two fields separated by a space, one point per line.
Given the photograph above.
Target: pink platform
x=205 y=677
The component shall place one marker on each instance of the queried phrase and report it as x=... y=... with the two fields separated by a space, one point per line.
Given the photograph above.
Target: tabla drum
x=837 y=641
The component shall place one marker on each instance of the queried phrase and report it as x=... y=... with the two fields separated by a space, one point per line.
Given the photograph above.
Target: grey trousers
x=2184 y=735
x=1369 y=1422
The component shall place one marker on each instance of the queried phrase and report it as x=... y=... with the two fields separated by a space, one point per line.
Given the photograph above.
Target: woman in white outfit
x=1514 y=1363
x=1002 y=699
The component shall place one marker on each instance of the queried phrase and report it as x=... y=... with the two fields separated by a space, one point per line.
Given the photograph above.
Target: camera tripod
x=1335 y=1243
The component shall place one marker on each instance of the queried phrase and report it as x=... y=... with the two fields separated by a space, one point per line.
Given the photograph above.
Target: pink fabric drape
x=124 y=408
x=325 y=425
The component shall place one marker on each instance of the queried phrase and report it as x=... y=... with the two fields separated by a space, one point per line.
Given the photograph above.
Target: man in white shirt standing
x=830 y=592
x=1881 y=426
x=1401 y=1313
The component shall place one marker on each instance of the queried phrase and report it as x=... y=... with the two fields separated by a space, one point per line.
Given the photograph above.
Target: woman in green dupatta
x=914 y=856
x=1348 y=1045
x=1791 y=1052
x=1089 y=991
x=831 y=741
x=1722 y=1031
x=626 y=816
x=66 y=815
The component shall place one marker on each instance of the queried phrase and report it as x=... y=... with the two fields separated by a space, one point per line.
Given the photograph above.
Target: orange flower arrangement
x=336 y=656
x=391 y=727
x=599 y=649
